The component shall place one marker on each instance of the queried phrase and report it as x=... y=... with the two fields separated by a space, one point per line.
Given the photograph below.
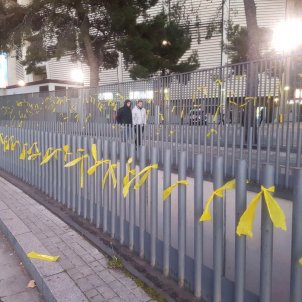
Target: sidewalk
x=14 y=278
x=81 y=274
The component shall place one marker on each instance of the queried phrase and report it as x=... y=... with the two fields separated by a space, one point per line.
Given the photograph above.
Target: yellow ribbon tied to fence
x=48 y=156
x=81 y=161
x=245 y=225
x=300 y=261
x=212 y=131
x=168 y=191
x=66 y=152
x=33 y=152
x=48 y=258
x=111 y=172
x=145 y=174
x=206 y=215
x=98 y=163
x=129 y=172
x=23 y=152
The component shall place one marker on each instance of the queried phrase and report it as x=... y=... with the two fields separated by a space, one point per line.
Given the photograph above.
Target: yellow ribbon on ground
x=212 y=131
x=23 y=152
x=145 y=174
x=168 y=191
x=48 y=258
x=48 y=156
x=81 y=161
x=245 y=225
x=206 y=215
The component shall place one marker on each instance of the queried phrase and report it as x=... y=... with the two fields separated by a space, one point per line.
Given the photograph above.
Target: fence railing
x=206 y=257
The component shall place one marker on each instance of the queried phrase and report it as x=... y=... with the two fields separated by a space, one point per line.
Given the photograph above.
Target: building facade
x=200 y=13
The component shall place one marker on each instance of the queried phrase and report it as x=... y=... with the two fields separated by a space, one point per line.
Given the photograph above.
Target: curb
x=52 y=281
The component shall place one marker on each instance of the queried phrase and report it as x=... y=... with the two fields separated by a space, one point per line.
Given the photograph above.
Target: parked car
x=197 y=117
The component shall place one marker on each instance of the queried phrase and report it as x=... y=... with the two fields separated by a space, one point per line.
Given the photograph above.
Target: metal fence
x=167 y=234
x=275 y=145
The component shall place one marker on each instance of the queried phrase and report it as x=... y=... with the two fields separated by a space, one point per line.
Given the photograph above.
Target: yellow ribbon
x=111 y=172
x=14 y=144
x=30 y=150
x=300 y=261
x=81 y=161
x=206 y=215
x=212 y=131
x=245 y=225
x=168 y=191
x=66 y=152
x=216 y=113
x=98 y=163
x=218 y=82
x=129 y=172
x=23 y=152
x=1 y=139
x=145 y=174
x=182 y=113
x=35 y=255
x=48 y=156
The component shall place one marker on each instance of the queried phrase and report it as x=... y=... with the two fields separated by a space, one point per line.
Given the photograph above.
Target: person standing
x=139 y=121
x=124 y=117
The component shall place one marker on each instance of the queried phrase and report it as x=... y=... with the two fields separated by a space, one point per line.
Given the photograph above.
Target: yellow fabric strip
x=212 y=131
x=300 y=261
x=47 y=157
x=128 y=184
x=23 y=152
x=110 y=172
x=206 y=215
x=81 y=161
x=48 y=258
x=168 y=191
x=245 y=225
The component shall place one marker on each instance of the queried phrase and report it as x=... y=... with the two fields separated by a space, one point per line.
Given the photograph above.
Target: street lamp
x=21 y=83
x=287 y=35
x=77 y=75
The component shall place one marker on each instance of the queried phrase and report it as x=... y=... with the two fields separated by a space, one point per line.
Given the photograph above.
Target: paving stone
x=84 y=284
x=91 y=293
x=106 y=292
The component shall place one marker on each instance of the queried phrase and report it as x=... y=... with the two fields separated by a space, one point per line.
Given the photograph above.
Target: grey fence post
x=266 y=259
x=198 y=226
x=154 y=206
x=142 y=205
x=240 y=242
x=113 y=191
x=132 y=202
x=218 y=230
x=106 y=190
x=122 y=199
x=296 y=268
x=167 y=214
x=182 y=175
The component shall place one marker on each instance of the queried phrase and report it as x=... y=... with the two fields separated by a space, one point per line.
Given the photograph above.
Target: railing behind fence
x=165 y=229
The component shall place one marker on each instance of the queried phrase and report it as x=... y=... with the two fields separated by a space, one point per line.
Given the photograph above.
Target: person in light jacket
x=139 y=120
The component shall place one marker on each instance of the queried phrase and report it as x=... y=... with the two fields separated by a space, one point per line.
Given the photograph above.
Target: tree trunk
x=93 y=61
x=252 y=29
x=250 y=124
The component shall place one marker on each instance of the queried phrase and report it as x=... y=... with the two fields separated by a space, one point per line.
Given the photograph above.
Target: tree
x=87 y=30
x=156 y=47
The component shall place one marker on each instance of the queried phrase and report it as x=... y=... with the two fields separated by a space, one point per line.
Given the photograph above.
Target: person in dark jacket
x=124 y=117
x=124 y=114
